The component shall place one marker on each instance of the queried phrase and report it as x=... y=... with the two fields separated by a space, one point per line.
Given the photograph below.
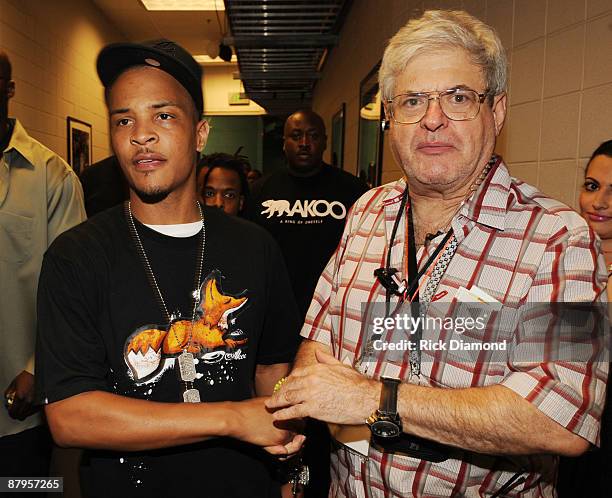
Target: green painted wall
x=228 y=133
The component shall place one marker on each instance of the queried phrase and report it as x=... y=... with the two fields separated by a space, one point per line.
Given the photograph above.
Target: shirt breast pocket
x=15 y=238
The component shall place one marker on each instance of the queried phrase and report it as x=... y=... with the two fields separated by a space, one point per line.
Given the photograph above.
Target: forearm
x=108 y=421
x=266 y=377
x=306 y=356
x=491 y=419
x=306 y=353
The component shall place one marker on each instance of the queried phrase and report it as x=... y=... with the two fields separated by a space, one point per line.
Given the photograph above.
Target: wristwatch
x=385 y=422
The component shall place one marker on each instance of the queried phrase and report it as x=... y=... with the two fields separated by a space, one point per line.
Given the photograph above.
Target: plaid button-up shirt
x=518 y=246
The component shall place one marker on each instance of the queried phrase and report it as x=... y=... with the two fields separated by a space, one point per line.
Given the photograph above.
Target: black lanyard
x=414 y=275
x=412 y=279
x=413 y=286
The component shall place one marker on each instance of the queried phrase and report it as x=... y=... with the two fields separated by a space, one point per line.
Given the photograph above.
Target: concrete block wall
x=560 y=92
x=53 y=48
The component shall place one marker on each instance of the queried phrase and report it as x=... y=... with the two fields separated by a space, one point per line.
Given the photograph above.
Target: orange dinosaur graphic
x=148 y=346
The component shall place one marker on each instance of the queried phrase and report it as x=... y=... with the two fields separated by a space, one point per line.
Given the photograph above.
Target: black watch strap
x=388 y=396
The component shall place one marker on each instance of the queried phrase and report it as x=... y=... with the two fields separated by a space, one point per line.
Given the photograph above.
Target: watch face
x=385 y=429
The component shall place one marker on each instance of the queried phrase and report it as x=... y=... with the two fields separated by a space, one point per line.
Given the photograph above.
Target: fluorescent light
x=205 y=60
x=183 y=4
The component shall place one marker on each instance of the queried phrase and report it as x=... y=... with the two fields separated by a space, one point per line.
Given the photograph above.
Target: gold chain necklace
x=473 y=187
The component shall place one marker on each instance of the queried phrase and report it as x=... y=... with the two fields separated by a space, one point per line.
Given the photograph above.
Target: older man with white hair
x=456 y=228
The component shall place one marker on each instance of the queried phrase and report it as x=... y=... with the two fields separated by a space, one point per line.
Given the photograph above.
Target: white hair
x=443 y=29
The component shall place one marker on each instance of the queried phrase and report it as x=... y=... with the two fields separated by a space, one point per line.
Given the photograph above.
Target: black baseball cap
x=162 y=54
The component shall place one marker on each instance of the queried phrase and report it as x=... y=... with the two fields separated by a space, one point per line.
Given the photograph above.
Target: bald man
x=40 y=197
x=304 y=208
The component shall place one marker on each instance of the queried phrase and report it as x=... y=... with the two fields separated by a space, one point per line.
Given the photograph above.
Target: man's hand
x=21 y=391
x=255 y=424
x=326 y=390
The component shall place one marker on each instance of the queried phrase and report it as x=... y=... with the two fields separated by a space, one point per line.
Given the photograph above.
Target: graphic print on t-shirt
x=150 y=350
x=301 y=209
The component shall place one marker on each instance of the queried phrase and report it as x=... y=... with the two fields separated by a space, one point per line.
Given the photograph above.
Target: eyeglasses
x=457 y=104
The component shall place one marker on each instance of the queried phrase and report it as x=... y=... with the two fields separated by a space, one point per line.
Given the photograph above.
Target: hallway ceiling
x=281 y=45
x=190 y=29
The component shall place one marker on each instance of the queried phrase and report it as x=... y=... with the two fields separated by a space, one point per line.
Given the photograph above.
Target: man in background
x=304 y=207
x=40 y=197
x=224 y=183
x=253 y=175
x=103 y=185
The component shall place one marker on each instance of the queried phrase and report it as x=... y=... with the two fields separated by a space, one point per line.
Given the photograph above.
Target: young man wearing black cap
x=155 y=326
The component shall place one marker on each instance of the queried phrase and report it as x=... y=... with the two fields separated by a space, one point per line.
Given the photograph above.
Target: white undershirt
x=181 y=230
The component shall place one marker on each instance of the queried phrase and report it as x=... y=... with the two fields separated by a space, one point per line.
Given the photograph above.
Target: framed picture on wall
x=338 y=137
x=80 y=147
x=370 y=145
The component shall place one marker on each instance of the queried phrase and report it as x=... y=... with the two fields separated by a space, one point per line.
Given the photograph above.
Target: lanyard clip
x=388 y=279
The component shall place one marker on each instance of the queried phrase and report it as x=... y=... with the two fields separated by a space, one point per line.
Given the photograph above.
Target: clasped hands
x=326 y=390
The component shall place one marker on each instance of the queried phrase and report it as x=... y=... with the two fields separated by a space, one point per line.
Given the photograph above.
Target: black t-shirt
x=306 y=216
x=104 y=186
x=100 y=328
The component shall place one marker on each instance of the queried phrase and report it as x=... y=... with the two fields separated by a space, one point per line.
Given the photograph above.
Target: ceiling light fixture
x=207 y=60
x=210 y=5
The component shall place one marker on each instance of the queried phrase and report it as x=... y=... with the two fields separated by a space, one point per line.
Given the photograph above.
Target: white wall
x=53 y=48
x=560 y=92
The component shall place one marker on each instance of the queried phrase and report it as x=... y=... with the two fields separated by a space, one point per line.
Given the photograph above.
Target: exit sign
x=238 y=98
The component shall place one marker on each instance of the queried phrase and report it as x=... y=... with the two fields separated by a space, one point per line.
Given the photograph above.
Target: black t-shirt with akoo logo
x=306 y=216
x=100 y=328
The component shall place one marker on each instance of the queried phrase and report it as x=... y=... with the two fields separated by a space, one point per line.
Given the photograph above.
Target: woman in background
x=596 y=200
x=591 y=474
